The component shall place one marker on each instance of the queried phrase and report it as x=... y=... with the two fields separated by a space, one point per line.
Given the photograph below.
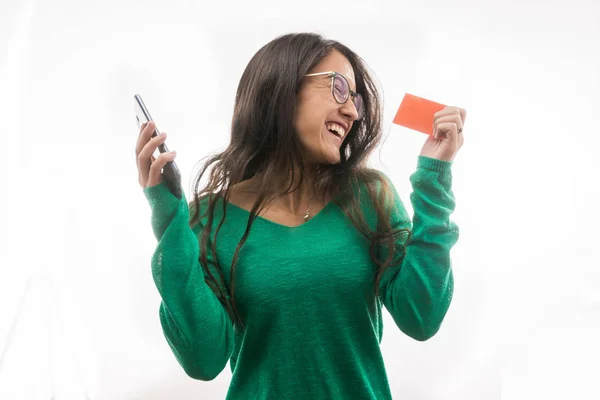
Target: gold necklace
x=307 y=214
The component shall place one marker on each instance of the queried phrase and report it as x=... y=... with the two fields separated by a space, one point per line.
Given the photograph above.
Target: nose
x=349 y=110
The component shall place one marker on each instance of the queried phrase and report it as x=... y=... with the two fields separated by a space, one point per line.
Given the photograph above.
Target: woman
x=283 y=260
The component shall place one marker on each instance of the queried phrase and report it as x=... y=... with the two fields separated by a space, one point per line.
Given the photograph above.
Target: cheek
x=309 y=124
x=309 y=135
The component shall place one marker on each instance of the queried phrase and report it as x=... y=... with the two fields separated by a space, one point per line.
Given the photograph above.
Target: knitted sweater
x=313 y=324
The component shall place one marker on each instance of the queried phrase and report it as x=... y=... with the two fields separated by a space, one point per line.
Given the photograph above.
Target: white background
x=525 y=319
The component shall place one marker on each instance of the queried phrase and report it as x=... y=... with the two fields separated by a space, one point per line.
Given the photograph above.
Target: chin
x=335 y=160
x=328 y=155
x=330 y=158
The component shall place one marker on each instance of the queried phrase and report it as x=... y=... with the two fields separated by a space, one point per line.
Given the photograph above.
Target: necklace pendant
x=306 y=216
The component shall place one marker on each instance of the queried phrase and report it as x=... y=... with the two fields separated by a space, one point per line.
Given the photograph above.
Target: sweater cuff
x=154 y=193
x=433 y=164
x=164 y=206
x=160 y=195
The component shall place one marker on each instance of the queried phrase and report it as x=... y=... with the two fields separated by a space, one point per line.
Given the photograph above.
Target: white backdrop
x=525 y=318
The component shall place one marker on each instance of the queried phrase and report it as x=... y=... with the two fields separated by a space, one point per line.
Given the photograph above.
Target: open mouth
x=335 y=130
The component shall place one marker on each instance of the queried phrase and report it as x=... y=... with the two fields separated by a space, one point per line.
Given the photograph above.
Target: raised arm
x=418 y=291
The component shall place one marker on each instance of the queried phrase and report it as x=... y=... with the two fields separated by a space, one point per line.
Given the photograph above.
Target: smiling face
x=318 y=112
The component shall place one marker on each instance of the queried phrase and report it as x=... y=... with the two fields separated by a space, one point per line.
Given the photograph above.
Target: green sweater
x=313 y=322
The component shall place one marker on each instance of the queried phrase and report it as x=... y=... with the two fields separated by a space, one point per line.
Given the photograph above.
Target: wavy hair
x=263 y=139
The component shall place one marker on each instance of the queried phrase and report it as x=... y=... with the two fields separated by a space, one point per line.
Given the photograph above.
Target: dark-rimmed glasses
x=340 y=89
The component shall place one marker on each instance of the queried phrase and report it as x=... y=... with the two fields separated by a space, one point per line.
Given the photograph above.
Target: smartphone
x=170 y=172
x=417 y=113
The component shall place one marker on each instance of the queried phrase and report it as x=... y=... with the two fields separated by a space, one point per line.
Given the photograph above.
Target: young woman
x=283 y=260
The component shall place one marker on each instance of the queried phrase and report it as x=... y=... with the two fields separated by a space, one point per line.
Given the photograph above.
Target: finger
x=460 y=113
x=155 y=176
x=446 y=111
x=455 y=118
x=143 y=182
x=449 y=130
x=145 y=158
x=449 y=118
x=147 y=152
x=463 y=114
x=145 y=135
x=142 y=128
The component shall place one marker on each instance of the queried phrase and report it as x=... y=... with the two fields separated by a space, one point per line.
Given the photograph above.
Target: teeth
x=335 y=127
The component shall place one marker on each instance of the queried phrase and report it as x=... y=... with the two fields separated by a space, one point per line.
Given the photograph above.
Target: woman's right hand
x=149 y=168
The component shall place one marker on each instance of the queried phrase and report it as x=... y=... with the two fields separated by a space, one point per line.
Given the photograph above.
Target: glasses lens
x=340 y=89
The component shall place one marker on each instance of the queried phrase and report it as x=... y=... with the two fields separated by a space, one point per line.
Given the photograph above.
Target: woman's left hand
x=448 y=136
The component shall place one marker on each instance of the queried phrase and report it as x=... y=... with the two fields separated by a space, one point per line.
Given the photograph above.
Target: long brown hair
x=263 y=139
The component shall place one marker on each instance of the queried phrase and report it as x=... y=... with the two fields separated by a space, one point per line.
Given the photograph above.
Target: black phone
x=170 y=172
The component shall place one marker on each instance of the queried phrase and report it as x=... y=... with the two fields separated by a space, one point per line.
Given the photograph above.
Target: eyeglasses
x=340 y=89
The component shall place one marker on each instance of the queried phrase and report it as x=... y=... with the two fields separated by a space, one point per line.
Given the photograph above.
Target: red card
x=417 y=113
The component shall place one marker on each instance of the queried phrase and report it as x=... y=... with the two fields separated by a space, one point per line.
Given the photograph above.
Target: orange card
x=417 y=113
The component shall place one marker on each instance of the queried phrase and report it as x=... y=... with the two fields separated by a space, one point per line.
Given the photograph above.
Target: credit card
x=417 y=113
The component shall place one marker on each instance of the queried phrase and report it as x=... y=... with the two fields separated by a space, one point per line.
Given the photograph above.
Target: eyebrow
x=325 y=73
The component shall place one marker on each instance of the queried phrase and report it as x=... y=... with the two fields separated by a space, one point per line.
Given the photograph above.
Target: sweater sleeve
x=417 y=292
x=194 y=322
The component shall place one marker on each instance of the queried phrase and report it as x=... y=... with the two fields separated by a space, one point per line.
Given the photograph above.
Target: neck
x=298 y=201
x=301 y=196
